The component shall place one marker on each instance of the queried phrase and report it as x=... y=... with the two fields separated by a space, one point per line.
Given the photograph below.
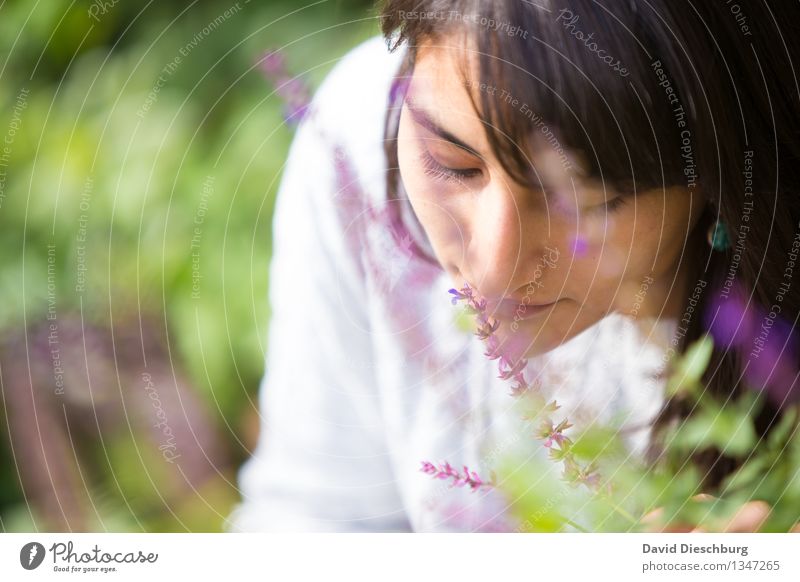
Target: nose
x=506 y=233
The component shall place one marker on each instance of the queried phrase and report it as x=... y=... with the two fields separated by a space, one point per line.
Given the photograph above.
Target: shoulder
x=353 y=98
x=365 y=67
x=339 y=147
x=334 y=183
x=349 y=112
x=337 y=154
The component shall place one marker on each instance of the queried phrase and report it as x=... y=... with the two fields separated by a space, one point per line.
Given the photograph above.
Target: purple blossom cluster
x=447 y=472
x=292 y=90
x=485 y=330
x=765 y=341
x=551 y=434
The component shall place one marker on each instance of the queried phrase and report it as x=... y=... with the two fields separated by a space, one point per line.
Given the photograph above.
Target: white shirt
x=367 y=372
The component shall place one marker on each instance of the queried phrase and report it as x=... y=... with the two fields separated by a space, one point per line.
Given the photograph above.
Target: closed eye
x=437 y=171
x=613 y=204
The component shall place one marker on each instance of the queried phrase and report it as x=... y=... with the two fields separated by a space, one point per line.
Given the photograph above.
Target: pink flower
x=462 y=295
x=512 y=369
x=428 y=468
x=556 y=437
x=292 y=90
x=273 y=63
x=485 y=330
x=447 y=471
x=767 y=343
x=554 y=434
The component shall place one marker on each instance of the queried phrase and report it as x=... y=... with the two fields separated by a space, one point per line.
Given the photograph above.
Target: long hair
x=654 y=94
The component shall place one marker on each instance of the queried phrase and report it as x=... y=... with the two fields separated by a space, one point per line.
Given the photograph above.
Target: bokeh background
x=141 y=146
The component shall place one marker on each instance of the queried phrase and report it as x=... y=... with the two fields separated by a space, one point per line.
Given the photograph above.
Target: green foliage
x=109 y=171
x=688 y=371
x=728 y=428
x=634 y=496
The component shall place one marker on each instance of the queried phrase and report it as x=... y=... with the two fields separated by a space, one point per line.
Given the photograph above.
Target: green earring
x=718 y=236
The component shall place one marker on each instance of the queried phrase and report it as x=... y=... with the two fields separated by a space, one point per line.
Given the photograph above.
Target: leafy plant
x=612 y=491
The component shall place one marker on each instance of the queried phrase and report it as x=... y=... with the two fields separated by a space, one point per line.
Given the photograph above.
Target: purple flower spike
x=294 y=113
x=513 y=370
x=772 y=362
x=555 y=438
x=457 y=296
x=765 y=341
x=518 y=388
x=475 y=478
x=447 y=471
x=292 y=90
x=511 y=366
x=491 y=354
x=428 y=468
x=273 y=63
x=730 y=321
x=485 y=330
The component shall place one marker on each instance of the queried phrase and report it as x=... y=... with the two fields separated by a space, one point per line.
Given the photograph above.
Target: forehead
x=442 y=81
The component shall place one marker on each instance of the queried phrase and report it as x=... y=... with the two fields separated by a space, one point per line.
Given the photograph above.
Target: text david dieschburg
x=694 y=549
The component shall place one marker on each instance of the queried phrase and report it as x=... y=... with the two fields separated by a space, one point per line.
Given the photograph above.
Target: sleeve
x=322 y=461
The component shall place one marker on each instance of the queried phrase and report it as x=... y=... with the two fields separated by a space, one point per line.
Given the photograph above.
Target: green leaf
x=689 y=368
x=598 y=442
x=747 y=475
x=781 y=432
x=734 y=433
x=464 y=320
x=723 y=428
x=535 y=492
x=680 y=488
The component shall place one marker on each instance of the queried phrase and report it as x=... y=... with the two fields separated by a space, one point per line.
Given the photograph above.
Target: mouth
x=515 y=310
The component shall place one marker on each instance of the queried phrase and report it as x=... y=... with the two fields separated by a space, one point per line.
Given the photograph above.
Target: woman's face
x=551 y=261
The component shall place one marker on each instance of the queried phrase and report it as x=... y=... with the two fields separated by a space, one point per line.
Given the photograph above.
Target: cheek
x=648 y=242
x=603 y=248
x=629 y=244
x=662 y=236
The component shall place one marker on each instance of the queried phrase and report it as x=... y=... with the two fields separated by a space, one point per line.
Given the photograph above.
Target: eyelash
x=437 y=171
x=612 y=205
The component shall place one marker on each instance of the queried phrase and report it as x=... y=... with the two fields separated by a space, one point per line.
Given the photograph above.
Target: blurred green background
x=136 y=194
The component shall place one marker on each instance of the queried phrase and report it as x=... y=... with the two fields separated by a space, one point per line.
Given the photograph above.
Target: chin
x=526 y=339
x=541 y=347
x=531 y=338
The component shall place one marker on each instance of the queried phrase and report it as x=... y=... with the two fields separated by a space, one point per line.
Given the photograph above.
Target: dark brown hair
x=682 y=93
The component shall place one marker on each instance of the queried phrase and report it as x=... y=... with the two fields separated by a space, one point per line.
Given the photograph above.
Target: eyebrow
x=424 y=119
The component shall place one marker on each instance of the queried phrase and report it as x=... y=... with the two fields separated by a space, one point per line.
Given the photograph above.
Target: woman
x=603 y=178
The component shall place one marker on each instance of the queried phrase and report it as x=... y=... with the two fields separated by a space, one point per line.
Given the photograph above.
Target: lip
x=516 y=310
